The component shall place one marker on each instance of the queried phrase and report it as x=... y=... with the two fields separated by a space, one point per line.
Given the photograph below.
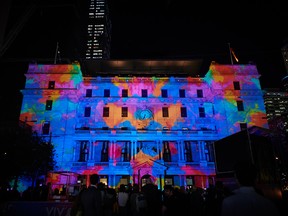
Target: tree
x=41 y=158
x=25 y=154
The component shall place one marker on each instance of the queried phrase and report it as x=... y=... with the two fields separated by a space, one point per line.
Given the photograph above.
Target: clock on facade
x=144 y=114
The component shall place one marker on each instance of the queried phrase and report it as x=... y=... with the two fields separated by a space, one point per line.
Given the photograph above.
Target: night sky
x=151 y=29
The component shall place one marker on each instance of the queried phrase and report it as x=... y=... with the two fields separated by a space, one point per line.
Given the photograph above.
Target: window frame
x=106 y=112
x=124 y=93
x=240 y=105
x=51 y=84
x=199 y=93
x=46 y=128
x=236 y=85
x=243 y=126
x=202 y=113
x=183 y=111
x=124 y=112
x=144 y=93
x=87 y=111
x=182 y=93
x=88 y=93
x=49 y=105
x=164 y=93
x=106 y=92
x=165 y=112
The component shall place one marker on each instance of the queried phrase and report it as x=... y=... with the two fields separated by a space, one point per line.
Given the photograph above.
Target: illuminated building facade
x=124 y=123
x=284 y=52
x=284 y=80
x=276 y=104
x=98 y=30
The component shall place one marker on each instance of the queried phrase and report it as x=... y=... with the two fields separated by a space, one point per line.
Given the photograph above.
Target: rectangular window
x=49 y=104
x=240 y=106
x=87 y=112
x=84 y=146
x=104 y=152
x=190 y=180
x=243 y=126
x=51 y=85
x=166 y=152
x=124 y=92
x=182 y=93
x=183 y=112
x=46 y=128
x=209 y=151
x=165 y=112
x=144 y=93
x=199 y=93
x=88 y=92
x=201 y=112
x=168 y=180
x=105 y=111
x=106 y=92
x=124 y=112
x=236 y=85
x=164 y=93
x=187 y=151
x=124 y=153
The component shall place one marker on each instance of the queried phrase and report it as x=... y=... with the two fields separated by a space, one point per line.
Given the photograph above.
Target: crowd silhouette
x=136 y=200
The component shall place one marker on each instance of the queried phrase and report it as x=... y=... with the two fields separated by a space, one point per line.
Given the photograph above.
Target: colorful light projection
x=219 y=103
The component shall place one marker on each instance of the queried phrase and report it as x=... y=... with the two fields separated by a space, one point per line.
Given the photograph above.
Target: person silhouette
x=246 y=200
x=91 y=198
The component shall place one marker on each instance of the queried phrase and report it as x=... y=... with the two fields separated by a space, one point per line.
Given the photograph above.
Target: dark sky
x=151 y=29
x=181 y=29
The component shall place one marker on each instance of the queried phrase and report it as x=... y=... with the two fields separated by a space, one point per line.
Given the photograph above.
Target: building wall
x=177 y=148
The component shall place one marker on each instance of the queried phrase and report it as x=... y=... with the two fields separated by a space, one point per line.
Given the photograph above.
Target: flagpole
x=231 y=59
x=56 y=52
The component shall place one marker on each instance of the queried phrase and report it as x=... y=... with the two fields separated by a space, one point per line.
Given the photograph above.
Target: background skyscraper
x=98 y=30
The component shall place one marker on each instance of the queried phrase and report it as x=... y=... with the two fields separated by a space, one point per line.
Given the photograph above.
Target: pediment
x=149 y=164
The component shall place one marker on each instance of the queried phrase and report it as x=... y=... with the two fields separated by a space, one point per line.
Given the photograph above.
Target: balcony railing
x=87 y=130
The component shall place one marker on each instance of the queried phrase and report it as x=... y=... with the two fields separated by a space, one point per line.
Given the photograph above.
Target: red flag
x=233 y=53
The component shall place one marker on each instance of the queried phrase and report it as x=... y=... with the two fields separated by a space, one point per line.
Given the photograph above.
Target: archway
x=146 y=179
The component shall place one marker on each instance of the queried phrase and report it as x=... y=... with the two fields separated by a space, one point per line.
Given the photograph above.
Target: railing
x=142 y=131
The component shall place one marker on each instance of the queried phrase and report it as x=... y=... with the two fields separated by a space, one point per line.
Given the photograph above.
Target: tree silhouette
x=25 y=154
